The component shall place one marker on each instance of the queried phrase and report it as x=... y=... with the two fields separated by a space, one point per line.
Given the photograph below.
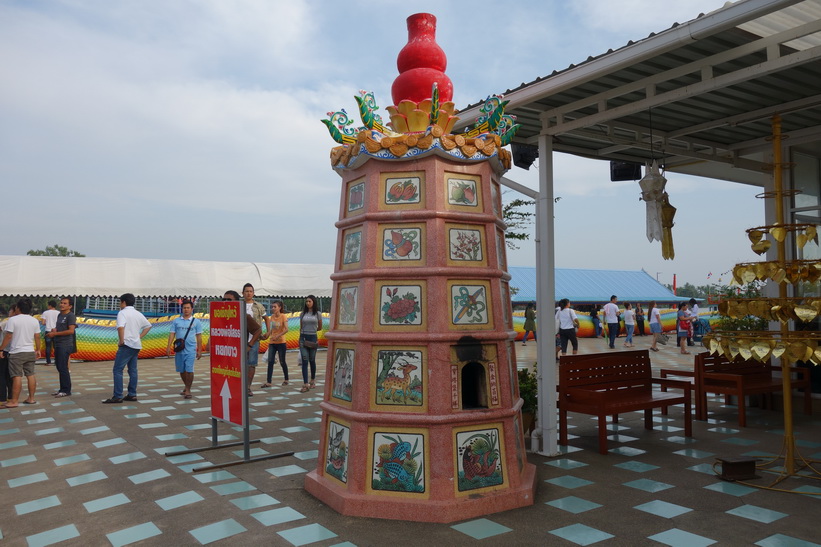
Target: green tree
x=517 y=218
x=688 y=289
x=54 y=250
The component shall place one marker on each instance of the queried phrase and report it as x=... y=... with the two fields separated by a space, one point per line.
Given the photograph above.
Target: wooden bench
x=740 y=378
x=611 y=384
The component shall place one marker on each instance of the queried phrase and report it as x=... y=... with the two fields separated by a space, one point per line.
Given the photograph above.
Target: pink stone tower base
x=439 y=437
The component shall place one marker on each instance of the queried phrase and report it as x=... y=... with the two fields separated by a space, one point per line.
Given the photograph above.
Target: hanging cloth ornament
x=667 y=214
x=652 y=192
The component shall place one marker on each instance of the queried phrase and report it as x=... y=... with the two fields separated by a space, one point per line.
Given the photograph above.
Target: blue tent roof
x=593 y=286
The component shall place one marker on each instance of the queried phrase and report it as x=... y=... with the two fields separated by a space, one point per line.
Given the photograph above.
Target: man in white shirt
x=22 y=338
x=49 y=320
x=131 y=327
x=611 y=317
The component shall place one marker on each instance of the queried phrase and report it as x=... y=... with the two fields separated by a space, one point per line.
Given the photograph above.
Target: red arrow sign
x=227 y=342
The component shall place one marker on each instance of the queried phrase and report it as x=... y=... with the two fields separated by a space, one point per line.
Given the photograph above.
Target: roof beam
x=648 y=84
x=741 y=75
x=754 y=115
x=710 y=24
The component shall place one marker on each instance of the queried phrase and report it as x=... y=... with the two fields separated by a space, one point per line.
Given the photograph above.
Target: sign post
x=227 y=340
x=229 y=381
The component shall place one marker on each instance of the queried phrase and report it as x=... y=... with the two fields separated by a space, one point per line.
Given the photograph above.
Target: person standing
x=132 y=326
x=276 y=342
x=568 y=323
x=65 y=343
x=684 y=319
x=640 y=319
x=530 y=322
x=257 y=311
x=22 y=338
x=629 y=324
x=252 y=346
x=49 y=319
x=594 y=316
x=5 y=379
x=188 y=329
x=655 y=323
x=310 y=323
x=611 y=317
x=692 y=310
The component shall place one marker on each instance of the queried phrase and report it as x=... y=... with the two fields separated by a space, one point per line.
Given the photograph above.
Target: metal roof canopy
x=588 y=286
x=709 y=87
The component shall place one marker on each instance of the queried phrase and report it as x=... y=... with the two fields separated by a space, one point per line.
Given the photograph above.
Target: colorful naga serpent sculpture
x=97 y=338
x=587 y=330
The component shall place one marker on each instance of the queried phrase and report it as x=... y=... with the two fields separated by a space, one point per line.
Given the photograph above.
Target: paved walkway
x=77 y=472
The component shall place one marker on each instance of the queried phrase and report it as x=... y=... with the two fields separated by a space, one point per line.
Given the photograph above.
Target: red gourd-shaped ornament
x=421 y=63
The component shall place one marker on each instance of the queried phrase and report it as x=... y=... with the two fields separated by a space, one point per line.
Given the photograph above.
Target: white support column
x=545 y=297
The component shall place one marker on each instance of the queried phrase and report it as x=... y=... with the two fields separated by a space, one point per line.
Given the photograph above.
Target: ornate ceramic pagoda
x=421 y=413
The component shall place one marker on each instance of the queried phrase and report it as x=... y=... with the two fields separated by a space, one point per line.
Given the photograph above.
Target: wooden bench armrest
x=664 y=372
x=677 y=384
x=725 y=376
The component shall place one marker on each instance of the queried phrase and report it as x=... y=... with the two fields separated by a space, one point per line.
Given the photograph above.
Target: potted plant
x=528 y=391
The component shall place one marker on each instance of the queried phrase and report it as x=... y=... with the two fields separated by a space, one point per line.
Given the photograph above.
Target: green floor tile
x=581 y=534
x=648 y=485
x=18 y=461
x=569 y=482
x=71 y=459
x=565 y=463
x=758 y=514
x=87 y=478
x=14 y=444
x=217 y=531
x=106 y=503
x=37 y=505
x=28 y=479
x=663 y=509
x=133 y=534
x=254 y=502
x=574 y=505
x=53 y=536
x=61 y=444
x=731 y=488
x=149 y=476
x=49 y=431
x=133 y=456
x=286 y=470
x=638 y=467
x=232 y=488
x=277 y=516
x=679 y=538
x=109 y=442
x=179 y=500
x=781 y=540
x=214 y=476
x=94 y=430
x=303 y=535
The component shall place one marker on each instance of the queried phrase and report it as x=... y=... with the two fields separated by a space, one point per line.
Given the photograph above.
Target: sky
x=190 y=129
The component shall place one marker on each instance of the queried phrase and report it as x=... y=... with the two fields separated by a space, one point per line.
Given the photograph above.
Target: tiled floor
x=76 y=472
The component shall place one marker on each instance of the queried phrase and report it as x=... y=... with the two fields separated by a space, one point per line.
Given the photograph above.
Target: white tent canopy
x=58 y=276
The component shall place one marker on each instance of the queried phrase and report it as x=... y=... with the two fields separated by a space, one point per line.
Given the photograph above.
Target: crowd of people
x=607 y=322
x=20 y=345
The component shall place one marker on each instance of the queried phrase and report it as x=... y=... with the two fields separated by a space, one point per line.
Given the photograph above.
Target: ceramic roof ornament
x=423 y=114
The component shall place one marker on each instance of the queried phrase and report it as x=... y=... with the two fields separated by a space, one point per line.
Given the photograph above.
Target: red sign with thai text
x=227 y=351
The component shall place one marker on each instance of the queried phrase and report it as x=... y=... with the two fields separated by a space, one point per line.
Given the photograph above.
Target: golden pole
x=786 y=382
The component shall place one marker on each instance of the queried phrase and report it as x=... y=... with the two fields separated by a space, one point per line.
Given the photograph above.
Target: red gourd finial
x=421 y=63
